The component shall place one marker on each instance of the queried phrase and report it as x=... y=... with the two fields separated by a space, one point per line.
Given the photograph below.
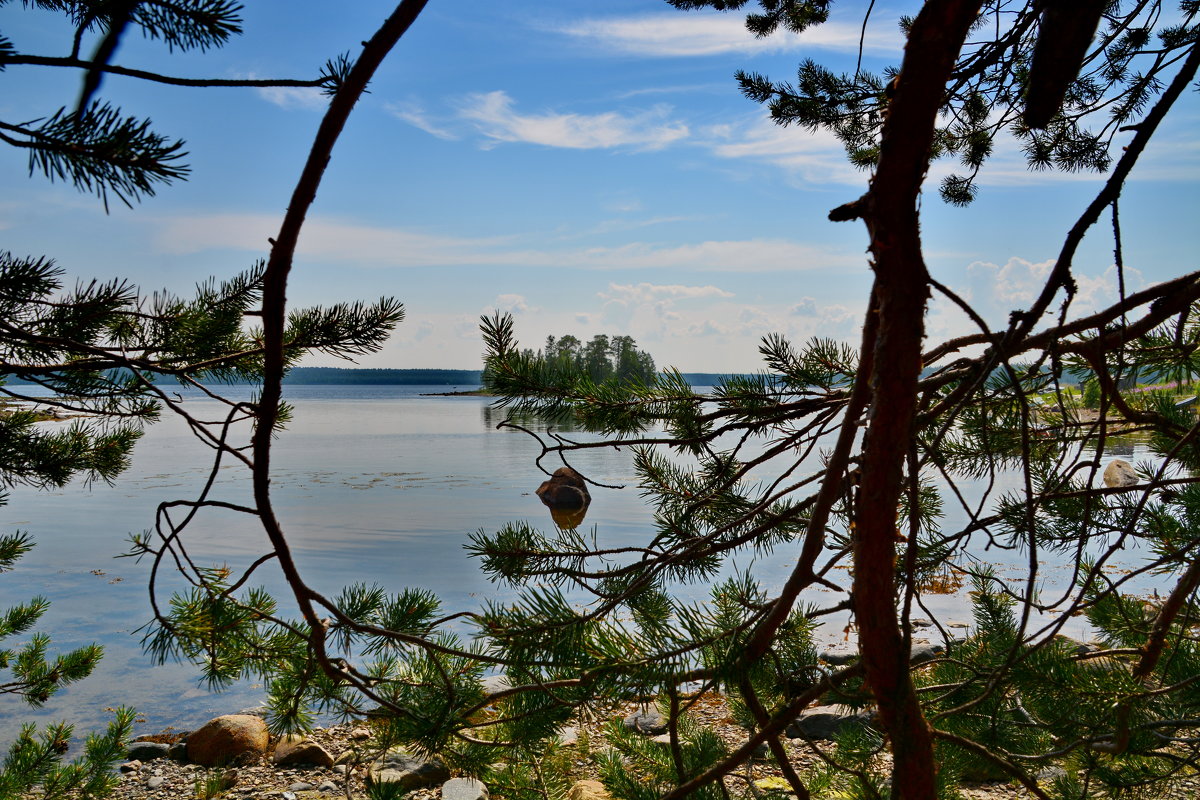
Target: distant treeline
x=402 y=377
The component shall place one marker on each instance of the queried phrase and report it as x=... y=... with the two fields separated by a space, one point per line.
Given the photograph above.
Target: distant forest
x=403 y=377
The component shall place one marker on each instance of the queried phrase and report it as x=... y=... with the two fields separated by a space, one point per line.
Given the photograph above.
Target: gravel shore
x=164 y=779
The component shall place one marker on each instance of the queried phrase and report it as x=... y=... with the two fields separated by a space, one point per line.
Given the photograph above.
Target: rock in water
x=1119 y=473
x=227 y=739
x=566 y=490
x=407 y=771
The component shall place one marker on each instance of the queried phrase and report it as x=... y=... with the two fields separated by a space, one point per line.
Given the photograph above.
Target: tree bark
x=889 y=210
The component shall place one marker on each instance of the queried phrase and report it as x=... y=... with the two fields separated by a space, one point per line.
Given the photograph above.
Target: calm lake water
x=372 y=484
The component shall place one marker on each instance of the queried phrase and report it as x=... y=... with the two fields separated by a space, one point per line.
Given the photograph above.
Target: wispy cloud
x=674 y=35
x=338 y=241
x=415 y=115
x=307 y=98
x=494 y=115
x=811 y=157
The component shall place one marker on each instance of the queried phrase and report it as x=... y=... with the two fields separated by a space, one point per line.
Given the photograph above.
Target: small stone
x=339 y=769
x=647 y=720
x=328 y=786
x=925 y=652
x=358 y=734
x=568 y=735
x=146 y=751
x=838 y=658
x=921 y=622
x=130 y=766
x=288 y=795
x=824 y=722
x=588 y=790
x=773 y=783
x=300 y=787
x=407 y=771
x=156 y=782
x=293 y=750
x=464 y=789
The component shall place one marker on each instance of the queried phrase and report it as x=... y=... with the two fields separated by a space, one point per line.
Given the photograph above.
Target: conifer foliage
x=95 y=357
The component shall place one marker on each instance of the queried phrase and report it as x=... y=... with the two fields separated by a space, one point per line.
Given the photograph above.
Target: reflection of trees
x=563 y=423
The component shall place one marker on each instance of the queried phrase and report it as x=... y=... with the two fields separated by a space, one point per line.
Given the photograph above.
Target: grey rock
x=146 y=751
x=464 y=789
x=1119 y=473
x=824 y=722
x=339 y=769
x=300 y=787
x=407 y=771
x=925 y=652
x=130 y=766
x=287 y=796
x=294 y=750
x=1051 y=774
x=921 y=622
x=329 y=786
x=648 y=721
x=156 y=782
x=838 y=658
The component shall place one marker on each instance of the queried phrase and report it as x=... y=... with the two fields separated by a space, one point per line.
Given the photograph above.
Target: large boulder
x=406 y=771
x=233 y=738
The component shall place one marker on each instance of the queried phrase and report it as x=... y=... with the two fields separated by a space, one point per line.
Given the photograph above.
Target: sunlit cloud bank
x=367 y=246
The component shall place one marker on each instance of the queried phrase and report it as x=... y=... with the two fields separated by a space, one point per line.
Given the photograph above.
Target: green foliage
x=36 y=761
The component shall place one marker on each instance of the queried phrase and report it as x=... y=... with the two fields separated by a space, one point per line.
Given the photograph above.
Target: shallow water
x=373 y=484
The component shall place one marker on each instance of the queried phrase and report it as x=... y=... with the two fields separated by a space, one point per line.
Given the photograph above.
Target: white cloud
x=807 y=307
x=494 y=116
x=338 y=241
x=512 y=304
x=415 y=115
x=307 y=98
x=995 y=290
x=673 y=35
x=650 y=293
x=816 y=157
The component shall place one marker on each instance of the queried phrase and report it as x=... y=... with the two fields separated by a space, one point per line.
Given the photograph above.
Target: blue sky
x=590 y=167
